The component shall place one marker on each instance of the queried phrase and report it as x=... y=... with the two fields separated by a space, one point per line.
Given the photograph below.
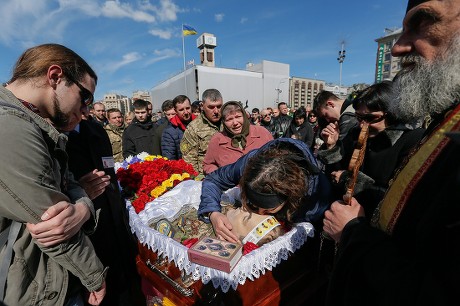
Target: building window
x=388 y=46
x=387 y=57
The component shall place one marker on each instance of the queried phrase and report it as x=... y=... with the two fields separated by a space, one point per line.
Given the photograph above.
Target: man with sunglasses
x=389 y=142
x=267 y=121
x=50 y=88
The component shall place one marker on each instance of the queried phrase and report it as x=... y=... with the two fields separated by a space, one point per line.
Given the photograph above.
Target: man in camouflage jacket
x=115 y=130
x=194 y=143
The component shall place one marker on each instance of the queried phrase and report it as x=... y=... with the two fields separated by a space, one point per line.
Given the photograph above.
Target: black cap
x=414 y=3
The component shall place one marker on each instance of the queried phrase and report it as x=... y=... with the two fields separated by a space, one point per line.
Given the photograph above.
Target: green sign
x=380 y=63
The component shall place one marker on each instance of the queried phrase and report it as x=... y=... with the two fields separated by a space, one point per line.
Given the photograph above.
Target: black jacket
x=384 y=153
x=304 y=132
x=139 y=137
x=347 y=119
x=86 y=151
x=270 y=126
x=418 y=263
x=281 y=125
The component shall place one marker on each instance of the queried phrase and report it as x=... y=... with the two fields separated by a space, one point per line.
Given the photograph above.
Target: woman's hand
x=222 y=227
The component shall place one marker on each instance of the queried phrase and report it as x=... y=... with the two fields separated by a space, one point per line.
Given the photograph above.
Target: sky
x=136 y=44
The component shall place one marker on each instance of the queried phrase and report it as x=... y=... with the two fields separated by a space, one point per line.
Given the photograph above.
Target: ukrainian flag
x=187 y=30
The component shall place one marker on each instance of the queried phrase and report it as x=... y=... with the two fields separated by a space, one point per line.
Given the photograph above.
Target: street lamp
x=278 y=98
x=341 y=58
x=278 y=89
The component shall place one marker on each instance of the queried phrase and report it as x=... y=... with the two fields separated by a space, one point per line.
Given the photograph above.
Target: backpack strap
x=5 y=262
x=4 y=236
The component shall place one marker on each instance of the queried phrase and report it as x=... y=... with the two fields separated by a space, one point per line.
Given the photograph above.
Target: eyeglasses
x=266 y=115
x=369 y=118
x=85 y=95
x=311 y=116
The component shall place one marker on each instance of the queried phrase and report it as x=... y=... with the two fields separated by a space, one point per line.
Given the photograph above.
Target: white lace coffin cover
x=187 y=194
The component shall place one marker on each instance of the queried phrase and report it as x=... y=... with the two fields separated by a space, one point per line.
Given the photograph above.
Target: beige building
x=302 y=91
x=386 y=65
x=143 y=95
x=123 y=103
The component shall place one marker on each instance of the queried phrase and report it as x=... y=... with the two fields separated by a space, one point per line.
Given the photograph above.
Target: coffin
x=282 y=272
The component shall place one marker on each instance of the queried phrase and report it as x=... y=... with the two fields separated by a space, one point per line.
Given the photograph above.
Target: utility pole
x=341 y=58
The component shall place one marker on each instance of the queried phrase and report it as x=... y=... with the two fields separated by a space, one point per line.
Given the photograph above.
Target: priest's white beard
x=428 y=87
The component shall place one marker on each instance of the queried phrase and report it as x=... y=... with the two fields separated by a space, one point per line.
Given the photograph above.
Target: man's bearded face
x=427 y=87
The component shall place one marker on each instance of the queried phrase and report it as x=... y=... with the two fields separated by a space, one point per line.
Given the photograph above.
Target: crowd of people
x=62 y=215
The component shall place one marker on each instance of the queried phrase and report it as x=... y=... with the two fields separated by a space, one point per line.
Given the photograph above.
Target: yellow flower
x=167 y=183
x=158 y=191
x=185 y=175
x=152 y=157
x=175 y=177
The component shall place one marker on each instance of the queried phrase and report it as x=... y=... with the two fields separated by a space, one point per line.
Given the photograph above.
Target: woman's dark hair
x=300 y=113
x=276 y=170
x=196 y=106
x=376 y=97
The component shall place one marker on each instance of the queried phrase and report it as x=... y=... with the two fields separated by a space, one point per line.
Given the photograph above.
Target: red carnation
x=248 y=247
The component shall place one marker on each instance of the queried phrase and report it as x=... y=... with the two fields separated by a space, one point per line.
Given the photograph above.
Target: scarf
x=176 y=121
x=238 y=138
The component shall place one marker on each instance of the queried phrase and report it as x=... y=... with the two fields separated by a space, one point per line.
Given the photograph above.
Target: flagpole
x=183 y=47
x=183 y=53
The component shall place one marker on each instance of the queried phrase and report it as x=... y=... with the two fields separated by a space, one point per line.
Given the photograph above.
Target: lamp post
x=278 y=92
x=341 y=58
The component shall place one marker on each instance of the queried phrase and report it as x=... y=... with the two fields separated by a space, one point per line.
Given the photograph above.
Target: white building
x=261 y=85
x=340 y=92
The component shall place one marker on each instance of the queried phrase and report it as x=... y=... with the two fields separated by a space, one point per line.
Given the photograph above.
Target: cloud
x=160 y=55
x=164 y=34
x=18 y=18
x=115 y=9
x=26 y=22
x=243 y=20
x=219 y=17
x=128 y=58
x=167 y=11
x=88 y=7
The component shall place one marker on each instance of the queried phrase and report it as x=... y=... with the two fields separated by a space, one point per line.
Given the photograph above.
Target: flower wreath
x=144 y=177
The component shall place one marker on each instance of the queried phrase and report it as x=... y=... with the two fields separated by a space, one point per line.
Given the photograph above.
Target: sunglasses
x=266 y=115
x=86 y=96
x=369 y=118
